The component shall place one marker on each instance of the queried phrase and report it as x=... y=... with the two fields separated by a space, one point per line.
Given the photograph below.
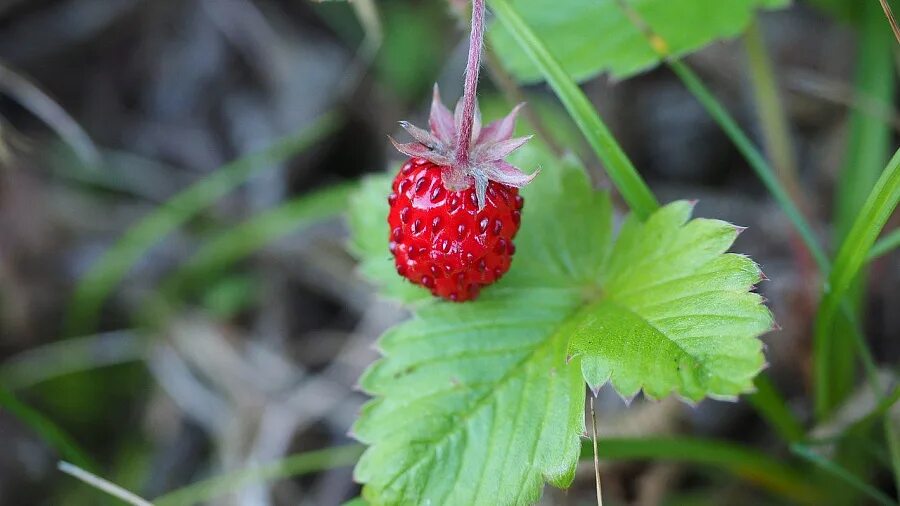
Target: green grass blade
x=850 y=259
x=295 y=465
x=869 y=136
x=239 y=242
x=112 y=266
x=773 y=408
x=842 y=474
x=754 y=157
x=892 y=435
x=751 y=465
x=70 y=356
x=771 y=112
x=885 y=245
x=867 y=152
x=54 y=436
x=864 y=422
x=620 y=169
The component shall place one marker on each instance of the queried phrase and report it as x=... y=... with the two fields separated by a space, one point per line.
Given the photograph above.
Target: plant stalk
x=510 y=88
x=596 y=455
x=890 y=17
x=470 y=89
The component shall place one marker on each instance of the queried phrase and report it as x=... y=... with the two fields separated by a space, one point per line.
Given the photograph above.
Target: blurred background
x=229 y=328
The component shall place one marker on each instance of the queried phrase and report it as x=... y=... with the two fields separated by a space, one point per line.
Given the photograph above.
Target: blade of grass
x=868 y=140
x=619 y=168
x=850 y=259
x=842 y=474
x=755 y=158
x=68 y=356
x=885 y=245
x=102 y=484
x=30 y=96
x=751 y=465
x=866 y=154
x=54 y=436
x=236 y=243
x=295 y=465
x=884 y=405
x=773 y=408
x=775 y=130
x=892 y=435
x=112 y=266
x=862 y=423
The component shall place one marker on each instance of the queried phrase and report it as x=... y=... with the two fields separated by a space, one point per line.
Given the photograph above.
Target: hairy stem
x=471 y=84
x=508 y=85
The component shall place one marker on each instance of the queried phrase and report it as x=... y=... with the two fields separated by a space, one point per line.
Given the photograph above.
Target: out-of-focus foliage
x=592 y=36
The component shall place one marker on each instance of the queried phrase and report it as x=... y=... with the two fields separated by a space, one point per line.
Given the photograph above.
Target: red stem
x=471 y=84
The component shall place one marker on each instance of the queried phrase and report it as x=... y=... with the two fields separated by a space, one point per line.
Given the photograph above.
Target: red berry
x=455 y=204
x=440 y=239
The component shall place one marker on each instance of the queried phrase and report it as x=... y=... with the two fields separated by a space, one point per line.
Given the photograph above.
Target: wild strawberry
x=453 y=215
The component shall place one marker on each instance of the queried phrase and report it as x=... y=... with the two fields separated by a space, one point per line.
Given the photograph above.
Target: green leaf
x=675 y=313
x=475 y=403
x=593 y=36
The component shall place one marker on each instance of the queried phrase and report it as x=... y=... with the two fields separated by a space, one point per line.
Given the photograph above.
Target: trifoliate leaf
x=475 y=403
x=675 y=313
x=589 y=37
